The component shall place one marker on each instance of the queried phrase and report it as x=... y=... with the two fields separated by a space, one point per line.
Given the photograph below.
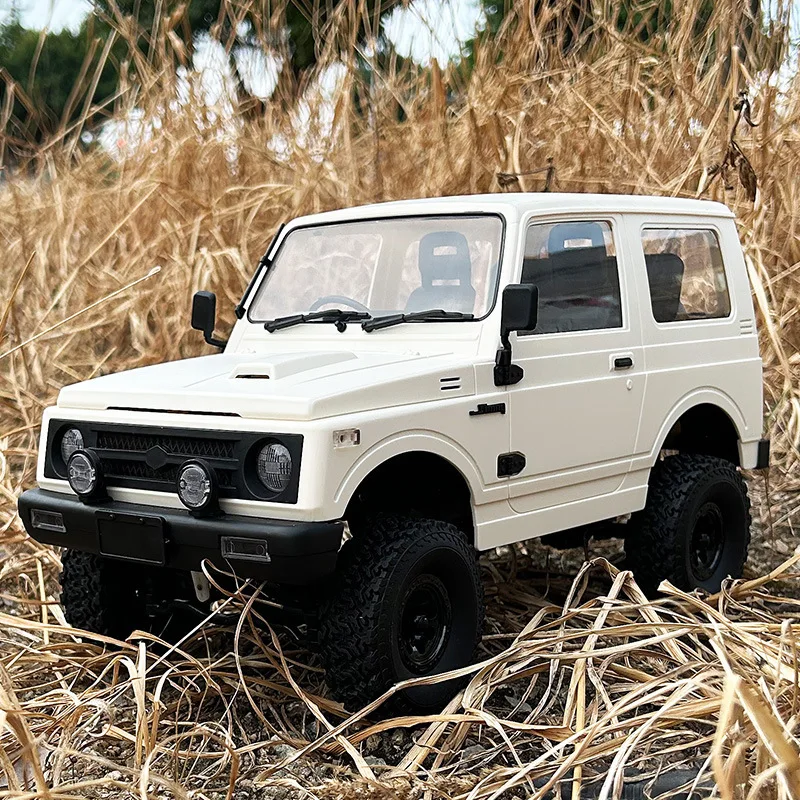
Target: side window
x=686 y=274
x=574 y=265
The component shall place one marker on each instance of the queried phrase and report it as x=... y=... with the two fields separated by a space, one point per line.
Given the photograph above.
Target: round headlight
x=83 y=473
x=195 y=486
x=71 y=442
x=274 y=466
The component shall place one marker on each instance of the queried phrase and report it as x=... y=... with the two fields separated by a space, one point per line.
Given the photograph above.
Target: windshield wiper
x=432 y=314
x=338 y=315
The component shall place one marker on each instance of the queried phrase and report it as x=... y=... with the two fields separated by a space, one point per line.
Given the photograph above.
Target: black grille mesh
x=176 y=445
x=115 y=468
x=149 y=456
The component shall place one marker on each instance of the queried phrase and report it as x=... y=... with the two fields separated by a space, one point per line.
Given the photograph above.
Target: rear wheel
x=407 y=602
x=695 y=528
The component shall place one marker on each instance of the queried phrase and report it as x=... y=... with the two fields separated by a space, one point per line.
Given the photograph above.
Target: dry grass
x=576 y=690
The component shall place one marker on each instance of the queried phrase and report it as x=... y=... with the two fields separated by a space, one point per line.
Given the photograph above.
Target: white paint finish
x=517 y=527
x=286 y=366
x=573 y=415
x=700 y=361
x=590 y=433
x=323 y=385
x=515 y=205
x=572 y=411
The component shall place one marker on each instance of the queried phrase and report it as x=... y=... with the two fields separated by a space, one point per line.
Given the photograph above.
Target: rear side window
x=574 y=266
x=685 y=274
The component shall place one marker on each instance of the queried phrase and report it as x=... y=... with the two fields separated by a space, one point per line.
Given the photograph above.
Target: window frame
x=676 y=225
x=289 y=230
x=615 y=225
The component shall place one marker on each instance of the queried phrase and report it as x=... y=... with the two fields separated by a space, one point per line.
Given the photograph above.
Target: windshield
x=388 y=266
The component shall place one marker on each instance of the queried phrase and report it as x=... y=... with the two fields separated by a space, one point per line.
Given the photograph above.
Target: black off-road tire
x=101 y=595
x=382 y=573
x=689 y=494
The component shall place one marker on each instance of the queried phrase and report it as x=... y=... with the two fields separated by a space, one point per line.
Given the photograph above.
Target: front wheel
x=695 y=528
x=407 y=602
x=114 y=598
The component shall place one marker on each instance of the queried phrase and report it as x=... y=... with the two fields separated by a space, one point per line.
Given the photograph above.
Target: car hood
x=293 y=386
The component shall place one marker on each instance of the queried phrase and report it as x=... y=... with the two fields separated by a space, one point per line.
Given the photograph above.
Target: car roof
x=513 y=205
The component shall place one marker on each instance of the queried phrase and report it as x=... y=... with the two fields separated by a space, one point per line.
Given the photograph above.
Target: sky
x=426 y=29
x=54 y=14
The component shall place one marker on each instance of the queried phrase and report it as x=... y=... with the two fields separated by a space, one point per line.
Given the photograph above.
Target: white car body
x=590 y=433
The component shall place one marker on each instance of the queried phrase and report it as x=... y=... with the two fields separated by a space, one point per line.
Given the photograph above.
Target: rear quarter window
x=685 y=274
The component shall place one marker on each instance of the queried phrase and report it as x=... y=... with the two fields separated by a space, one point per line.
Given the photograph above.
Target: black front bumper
x=298 y=552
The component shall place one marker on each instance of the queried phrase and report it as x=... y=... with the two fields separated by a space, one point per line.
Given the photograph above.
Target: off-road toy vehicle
x=409 y=384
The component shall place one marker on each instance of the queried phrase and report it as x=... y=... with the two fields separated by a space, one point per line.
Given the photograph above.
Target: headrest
x=575 y=245
x=665 y=276
x=444 y=256
x=575 y=235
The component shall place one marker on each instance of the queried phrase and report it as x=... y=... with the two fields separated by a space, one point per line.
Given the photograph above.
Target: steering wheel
x=338 y=298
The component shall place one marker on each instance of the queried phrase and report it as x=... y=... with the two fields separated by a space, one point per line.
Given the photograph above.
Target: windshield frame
x=288 y=231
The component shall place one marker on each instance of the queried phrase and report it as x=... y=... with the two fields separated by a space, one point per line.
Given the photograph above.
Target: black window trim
x=613 y=223
x=706 y=227
x=288 y=231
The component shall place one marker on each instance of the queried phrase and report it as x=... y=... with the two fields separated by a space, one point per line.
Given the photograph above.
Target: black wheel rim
x=425 y=623
x=707 y=542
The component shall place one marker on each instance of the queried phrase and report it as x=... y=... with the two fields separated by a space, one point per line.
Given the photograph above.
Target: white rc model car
x=409 y=384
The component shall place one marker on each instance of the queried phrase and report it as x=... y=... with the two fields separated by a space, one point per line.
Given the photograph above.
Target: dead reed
x=574 y=692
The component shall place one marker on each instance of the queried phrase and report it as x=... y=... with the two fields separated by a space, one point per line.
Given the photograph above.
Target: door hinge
x=509 y=464
x=506 y=373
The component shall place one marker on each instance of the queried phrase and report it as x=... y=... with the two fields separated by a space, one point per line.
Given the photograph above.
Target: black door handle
x=624 y=362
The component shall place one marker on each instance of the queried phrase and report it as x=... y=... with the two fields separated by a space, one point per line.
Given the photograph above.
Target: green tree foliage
x=51 y=74
x=51 y=81
x=303 y=20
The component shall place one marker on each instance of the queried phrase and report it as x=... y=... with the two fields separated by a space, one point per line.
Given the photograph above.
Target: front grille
x=187 y=446
x=114 y=468
x=149 y=457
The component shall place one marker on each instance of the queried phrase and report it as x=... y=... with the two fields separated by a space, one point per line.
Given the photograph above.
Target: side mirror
x=519 y=312
x=204 y=316
x=520 y=308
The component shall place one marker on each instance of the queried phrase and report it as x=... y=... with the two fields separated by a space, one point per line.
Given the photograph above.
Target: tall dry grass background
x=573 y=691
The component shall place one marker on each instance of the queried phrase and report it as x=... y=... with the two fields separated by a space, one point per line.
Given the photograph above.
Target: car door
x=575 y=413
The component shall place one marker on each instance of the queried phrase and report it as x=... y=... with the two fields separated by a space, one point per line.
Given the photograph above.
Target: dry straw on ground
x=577 y=690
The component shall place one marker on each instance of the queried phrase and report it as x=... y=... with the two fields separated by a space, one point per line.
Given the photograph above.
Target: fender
x=708 y=396
x=414 y=441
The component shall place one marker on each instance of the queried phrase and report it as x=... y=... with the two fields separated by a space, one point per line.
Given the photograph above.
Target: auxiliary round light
x=71 y=442
x=195 y=486
x=83 y=473
x=274 y=466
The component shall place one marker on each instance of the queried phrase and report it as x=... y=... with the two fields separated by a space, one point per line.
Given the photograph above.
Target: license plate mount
x=132 y=537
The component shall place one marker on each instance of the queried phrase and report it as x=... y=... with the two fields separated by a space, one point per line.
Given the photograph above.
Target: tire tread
x=652 y=549
x=357 y=671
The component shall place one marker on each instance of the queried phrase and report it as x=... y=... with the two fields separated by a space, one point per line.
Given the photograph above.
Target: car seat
x=446 y=271
x=578 y=285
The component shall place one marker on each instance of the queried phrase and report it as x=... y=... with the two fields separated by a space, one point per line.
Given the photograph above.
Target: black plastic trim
x=468 y=214
x=488 y=408
x=762 y=459
x=264 y=263
x=300 y=552
x=509 y=464
x=235 y=471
